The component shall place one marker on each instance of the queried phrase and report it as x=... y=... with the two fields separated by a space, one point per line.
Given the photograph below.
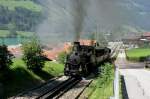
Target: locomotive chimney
x=77 y=43
x=76 y=46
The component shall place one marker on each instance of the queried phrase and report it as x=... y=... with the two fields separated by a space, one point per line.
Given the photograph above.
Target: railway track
x=40 y=90
x=59 y=90
x=77 y=91
x=68 y=88
x=115 y=48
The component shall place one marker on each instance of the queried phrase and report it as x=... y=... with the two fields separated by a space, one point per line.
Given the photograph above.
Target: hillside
x=105 y=16
x=19 y=15
x=55 y=18
x=12 y=5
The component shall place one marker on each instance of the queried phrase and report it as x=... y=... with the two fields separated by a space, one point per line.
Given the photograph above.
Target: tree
x=5 y=58
x=33 y=55
x=12 y=29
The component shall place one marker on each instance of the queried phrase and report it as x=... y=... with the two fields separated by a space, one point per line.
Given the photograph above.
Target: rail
x=32 y=90
x=59 y=90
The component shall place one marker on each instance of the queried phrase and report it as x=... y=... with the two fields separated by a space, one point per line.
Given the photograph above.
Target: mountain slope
x=101 y=15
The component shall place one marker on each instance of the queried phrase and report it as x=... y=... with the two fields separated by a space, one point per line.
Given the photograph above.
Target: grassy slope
x=136 y=54
x=11 y=4
x=103 y=92
x=25 y=34
x=5 y=33
x=100 y=88
x=22 y=78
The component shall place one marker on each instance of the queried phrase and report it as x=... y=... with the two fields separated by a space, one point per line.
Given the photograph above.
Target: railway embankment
x=22 y=79
x=102 y=86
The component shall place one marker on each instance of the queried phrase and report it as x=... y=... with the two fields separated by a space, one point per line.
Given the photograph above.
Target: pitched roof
x=147 y=34
x=87 y=42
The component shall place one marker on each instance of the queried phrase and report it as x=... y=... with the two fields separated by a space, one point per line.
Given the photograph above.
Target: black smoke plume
x=79 y=11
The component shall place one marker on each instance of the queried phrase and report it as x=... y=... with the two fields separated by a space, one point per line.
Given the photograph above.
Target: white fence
x=116 y=84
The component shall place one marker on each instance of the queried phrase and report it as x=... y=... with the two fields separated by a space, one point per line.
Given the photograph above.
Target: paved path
x=137 y=81
x=124 y=64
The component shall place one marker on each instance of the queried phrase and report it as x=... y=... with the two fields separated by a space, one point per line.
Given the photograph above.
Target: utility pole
x=96 y=34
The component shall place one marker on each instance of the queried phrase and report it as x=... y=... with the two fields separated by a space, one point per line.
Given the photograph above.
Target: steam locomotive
x=84 y=60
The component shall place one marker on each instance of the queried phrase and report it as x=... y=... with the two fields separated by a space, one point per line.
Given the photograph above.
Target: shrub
x=5 y=58
x=62 y=57
x=102 y=86
x=106 y=73
x=33 y=55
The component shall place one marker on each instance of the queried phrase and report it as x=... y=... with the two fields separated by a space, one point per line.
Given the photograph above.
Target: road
x=137 y=79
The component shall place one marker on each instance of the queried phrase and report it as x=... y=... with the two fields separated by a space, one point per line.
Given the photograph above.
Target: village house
x=137 y=39
x=53 y=54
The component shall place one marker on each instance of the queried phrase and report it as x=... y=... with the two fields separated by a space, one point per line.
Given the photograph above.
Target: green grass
x=102 y=86
x=137 y=54
x=120 y=88
x=50 y=67
x=54 y=68
x=12 y=4
x=20 y=78
x=104 y=92
x=25 y=34
x=6 y=33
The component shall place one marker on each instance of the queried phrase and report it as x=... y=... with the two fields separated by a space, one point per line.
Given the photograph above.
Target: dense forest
x=20 y=15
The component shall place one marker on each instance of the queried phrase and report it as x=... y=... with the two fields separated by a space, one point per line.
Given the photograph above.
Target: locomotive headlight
x=67 y=68
x=80 y=69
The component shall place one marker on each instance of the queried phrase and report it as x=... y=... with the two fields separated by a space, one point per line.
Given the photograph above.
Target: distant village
x=137 y=39
x=131 y=40
x=50 y=53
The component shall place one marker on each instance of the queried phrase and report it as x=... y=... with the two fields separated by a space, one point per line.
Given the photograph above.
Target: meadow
x=6 y=33
x=12 y=4
x=137 y=54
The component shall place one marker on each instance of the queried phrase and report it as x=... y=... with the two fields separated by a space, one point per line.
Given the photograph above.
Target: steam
x=79 y=9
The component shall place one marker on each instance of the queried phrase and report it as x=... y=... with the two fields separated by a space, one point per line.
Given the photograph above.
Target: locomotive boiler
x=84 y=59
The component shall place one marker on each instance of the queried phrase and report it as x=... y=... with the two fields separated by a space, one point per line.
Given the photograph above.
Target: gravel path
x=137 y=80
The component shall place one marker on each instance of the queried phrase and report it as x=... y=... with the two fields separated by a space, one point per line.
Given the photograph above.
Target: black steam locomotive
x=84 y=60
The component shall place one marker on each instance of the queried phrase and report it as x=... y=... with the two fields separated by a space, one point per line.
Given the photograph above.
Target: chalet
x=146 y=36
x=131 y=39
x=145 y=39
